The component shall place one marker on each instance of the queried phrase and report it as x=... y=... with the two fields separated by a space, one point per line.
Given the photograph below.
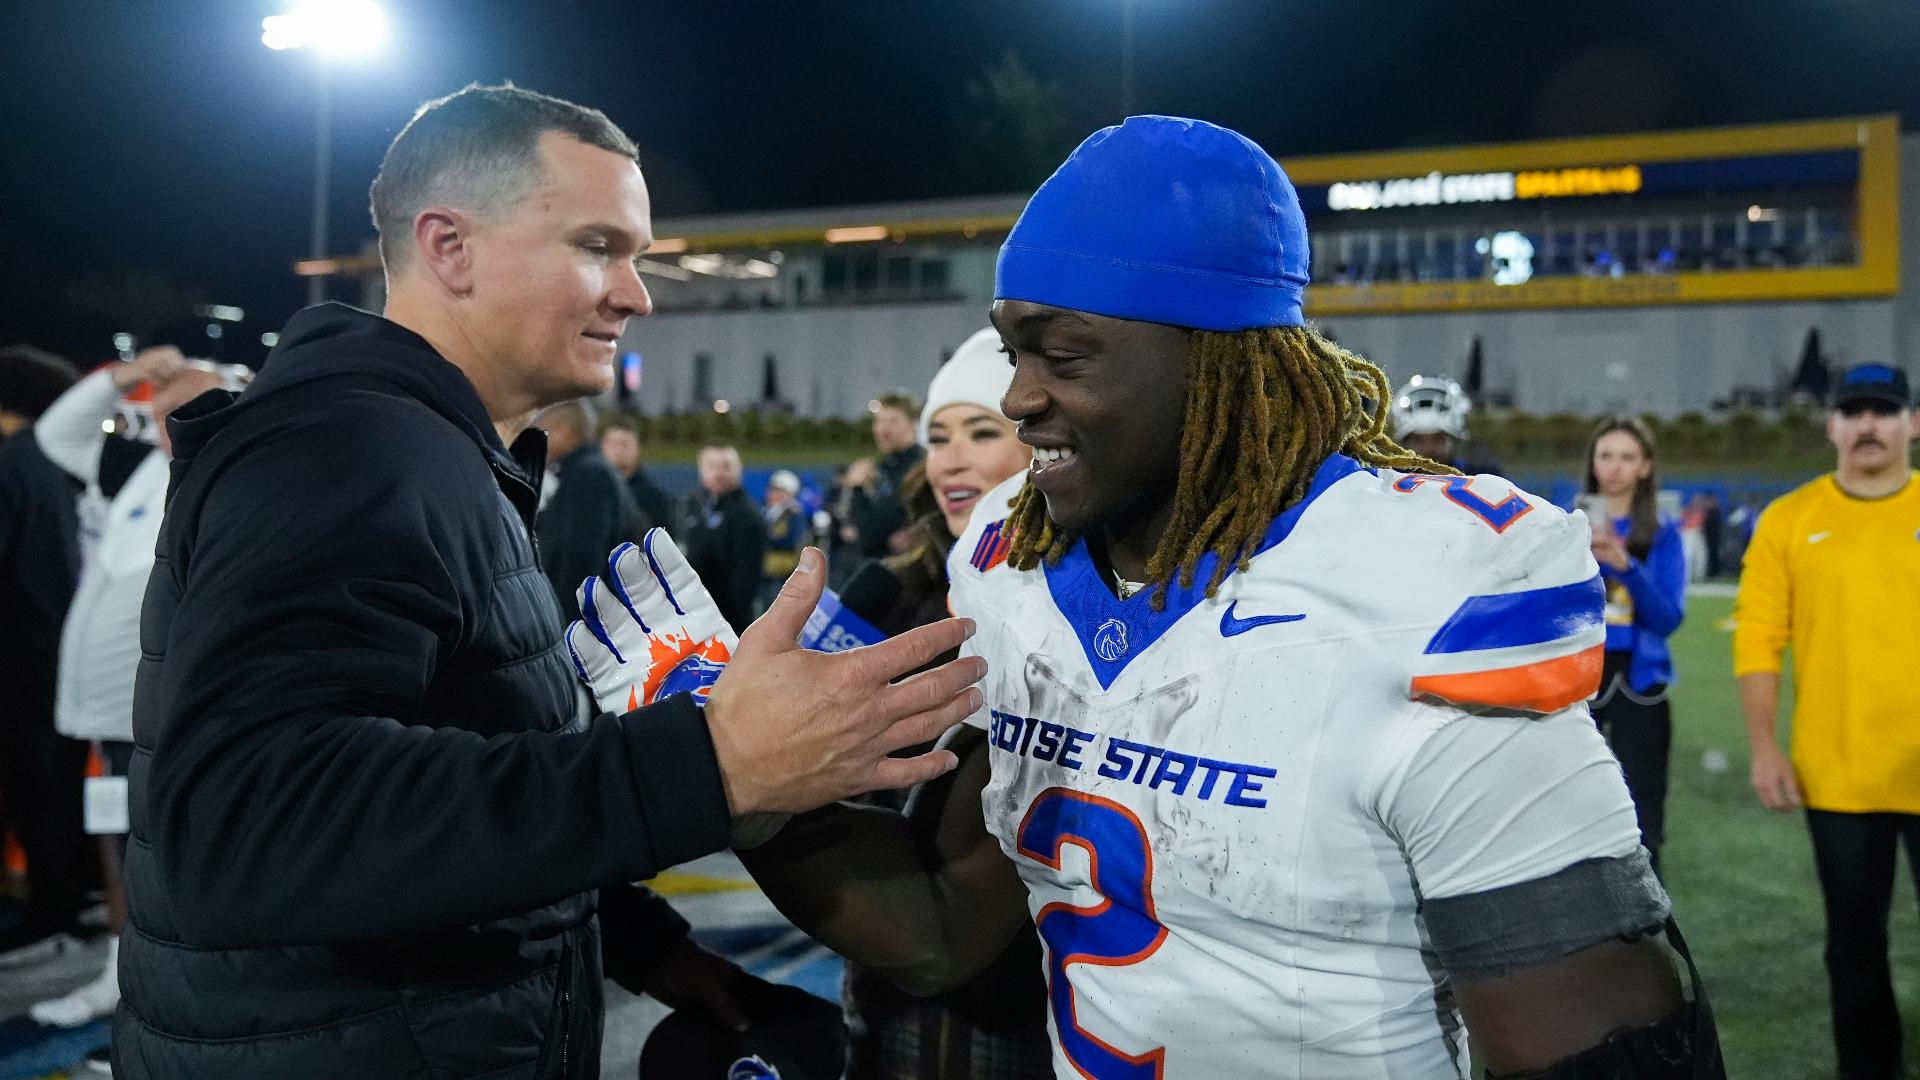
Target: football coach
x=373 y=815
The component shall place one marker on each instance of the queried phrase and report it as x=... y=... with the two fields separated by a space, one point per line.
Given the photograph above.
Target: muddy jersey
x=1225 y=811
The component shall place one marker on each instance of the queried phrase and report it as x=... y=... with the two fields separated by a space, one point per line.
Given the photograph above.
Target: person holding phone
x=1645 y=567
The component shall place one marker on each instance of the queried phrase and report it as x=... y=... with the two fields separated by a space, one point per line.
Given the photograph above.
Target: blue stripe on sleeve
x=1505 y=620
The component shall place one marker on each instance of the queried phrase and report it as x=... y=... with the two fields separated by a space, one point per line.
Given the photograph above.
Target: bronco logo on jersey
x=752 y=1068
x=992 y=549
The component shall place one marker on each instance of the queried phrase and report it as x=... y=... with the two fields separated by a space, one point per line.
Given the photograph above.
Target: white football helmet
x=1431 y=403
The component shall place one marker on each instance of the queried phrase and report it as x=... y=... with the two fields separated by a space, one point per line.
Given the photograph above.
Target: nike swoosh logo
x=1819 y=536
x=1230 y=626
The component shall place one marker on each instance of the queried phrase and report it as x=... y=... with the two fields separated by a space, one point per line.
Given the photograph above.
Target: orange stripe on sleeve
x=1543 y=687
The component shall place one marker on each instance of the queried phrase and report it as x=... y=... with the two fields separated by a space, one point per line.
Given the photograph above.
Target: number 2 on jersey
x=1118 y=931
x=1460 y=492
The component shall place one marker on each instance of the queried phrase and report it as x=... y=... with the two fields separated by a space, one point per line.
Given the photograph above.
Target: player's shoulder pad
x=983 y=547
x=1525 y=630
x=1466 y=525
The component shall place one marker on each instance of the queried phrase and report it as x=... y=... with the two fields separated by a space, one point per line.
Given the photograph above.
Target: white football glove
x=655 y=633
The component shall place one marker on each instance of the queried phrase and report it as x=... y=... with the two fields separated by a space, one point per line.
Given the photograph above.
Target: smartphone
x=1595 y=507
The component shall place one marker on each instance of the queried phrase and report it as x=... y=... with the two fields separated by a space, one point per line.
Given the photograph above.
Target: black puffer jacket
x=367 y=821
x=589 y=514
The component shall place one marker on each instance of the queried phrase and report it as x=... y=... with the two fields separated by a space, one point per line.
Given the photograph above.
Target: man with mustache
x=1832 y=567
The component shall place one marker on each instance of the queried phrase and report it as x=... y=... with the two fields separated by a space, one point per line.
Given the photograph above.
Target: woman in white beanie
x=995 y=1027
x=971 y=447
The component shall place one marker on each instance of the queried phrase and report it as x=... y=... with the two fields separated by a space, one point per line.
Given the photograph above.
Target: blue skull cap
x=1165 y=220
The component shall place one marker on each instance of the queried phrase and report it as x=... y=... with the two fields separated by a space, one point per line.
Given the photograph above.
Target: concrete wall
x=1906 y=305
x=830 y=361
x=1663 y=361
x=1659 y=360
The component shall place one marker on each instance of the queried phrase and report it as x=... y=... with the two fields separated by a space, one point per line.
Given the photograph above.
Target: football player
x=1283 y=745
x=1430 y=419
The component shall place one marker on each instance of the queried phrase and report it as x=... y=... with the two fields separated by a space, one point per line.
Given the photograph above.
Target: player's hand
x=690 y=977
x=655 y=633
x=1775 y=782
x=158 y=365
x=795 y=729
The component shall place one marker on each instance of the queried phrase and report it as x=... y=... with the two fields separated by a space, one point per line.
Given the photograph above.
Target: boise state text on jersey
x=1120 y=759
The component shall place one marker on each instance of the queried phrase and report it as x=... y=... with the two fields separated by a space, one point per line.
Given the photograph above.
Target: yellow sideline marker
x=676 y=883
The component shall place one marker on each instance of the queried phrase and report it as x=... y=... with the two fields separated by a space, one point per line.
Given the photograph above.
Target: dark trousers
x=1854 y=854
x=41 y=771
x=1639 y=729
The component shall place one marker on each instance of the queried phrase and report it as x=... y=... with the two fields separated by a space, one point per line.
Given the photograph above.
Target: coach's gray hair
x=478 y=149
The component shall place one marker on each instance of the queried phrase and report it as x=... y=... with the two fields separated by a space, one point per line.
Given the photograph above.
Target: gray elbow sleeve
x=1484 y=934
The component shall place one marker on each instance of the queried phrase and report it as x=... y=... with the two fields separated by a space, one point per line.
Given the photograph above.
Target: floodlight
x=334 y=27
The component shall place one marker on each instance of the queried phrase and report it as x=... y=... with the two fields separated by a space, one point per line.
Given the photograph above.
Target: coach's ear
x=443 y=246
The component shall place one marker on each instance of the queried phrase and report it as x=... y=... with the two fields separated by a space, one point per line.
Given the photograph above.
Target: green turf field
x=1743 y=885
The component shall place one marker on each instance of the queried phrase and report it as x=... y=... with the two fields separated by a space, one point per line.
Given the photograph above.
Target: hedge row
x=1740 y=437
x=754 y=430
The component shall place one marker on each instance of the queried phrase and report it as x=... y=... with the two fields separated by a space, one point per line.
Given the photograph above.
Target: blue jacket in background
x=1657 y=586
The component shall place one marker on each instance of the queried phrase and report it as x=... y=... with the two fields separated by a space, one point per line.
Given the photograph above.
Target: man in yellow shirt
x=1834 y=571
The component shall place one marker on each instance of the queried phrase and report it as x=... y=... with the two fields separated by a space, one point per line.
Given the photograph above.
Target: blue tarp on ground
x=29 y=1051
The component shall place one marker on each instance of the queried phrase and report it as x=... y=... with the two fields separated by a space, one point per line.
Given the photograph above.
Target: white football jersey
x=1211 y=804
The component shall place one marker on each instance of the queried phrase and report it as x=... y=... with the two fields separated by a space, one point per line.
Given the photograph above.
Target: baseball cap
x=1872 y=382
x=1164 y=220
x=785 y=480
x=791 y=1035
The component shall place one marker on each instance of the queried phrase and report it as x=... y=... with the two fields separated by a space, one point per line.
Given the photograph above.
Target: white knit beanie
x=978 y=373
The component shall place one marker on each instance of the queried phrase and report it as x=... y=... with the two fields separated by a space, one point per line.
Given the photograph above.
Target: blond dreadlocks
x=1264 y=407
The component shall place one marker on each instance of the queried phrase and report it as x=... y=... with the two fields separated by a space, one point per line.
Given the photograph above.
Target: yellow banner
x=1554 y=292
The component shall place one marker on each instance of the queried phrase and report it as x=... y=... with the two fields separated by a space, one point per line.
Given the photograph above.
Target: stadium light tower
x=330 y=28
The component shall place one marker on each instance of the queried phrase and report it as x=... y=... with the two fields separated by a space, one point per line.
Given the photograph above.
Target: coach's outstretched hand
x=795 y=729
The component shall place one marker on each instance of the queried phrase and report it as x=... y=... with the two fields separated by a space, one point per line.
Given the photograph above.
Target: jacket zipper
x=566 y=1030
x=566 y=1007
x=563 y=984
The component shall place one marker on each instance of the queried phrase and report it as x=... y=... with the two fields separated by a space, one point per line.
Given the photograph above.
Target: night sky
x=157 y=145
